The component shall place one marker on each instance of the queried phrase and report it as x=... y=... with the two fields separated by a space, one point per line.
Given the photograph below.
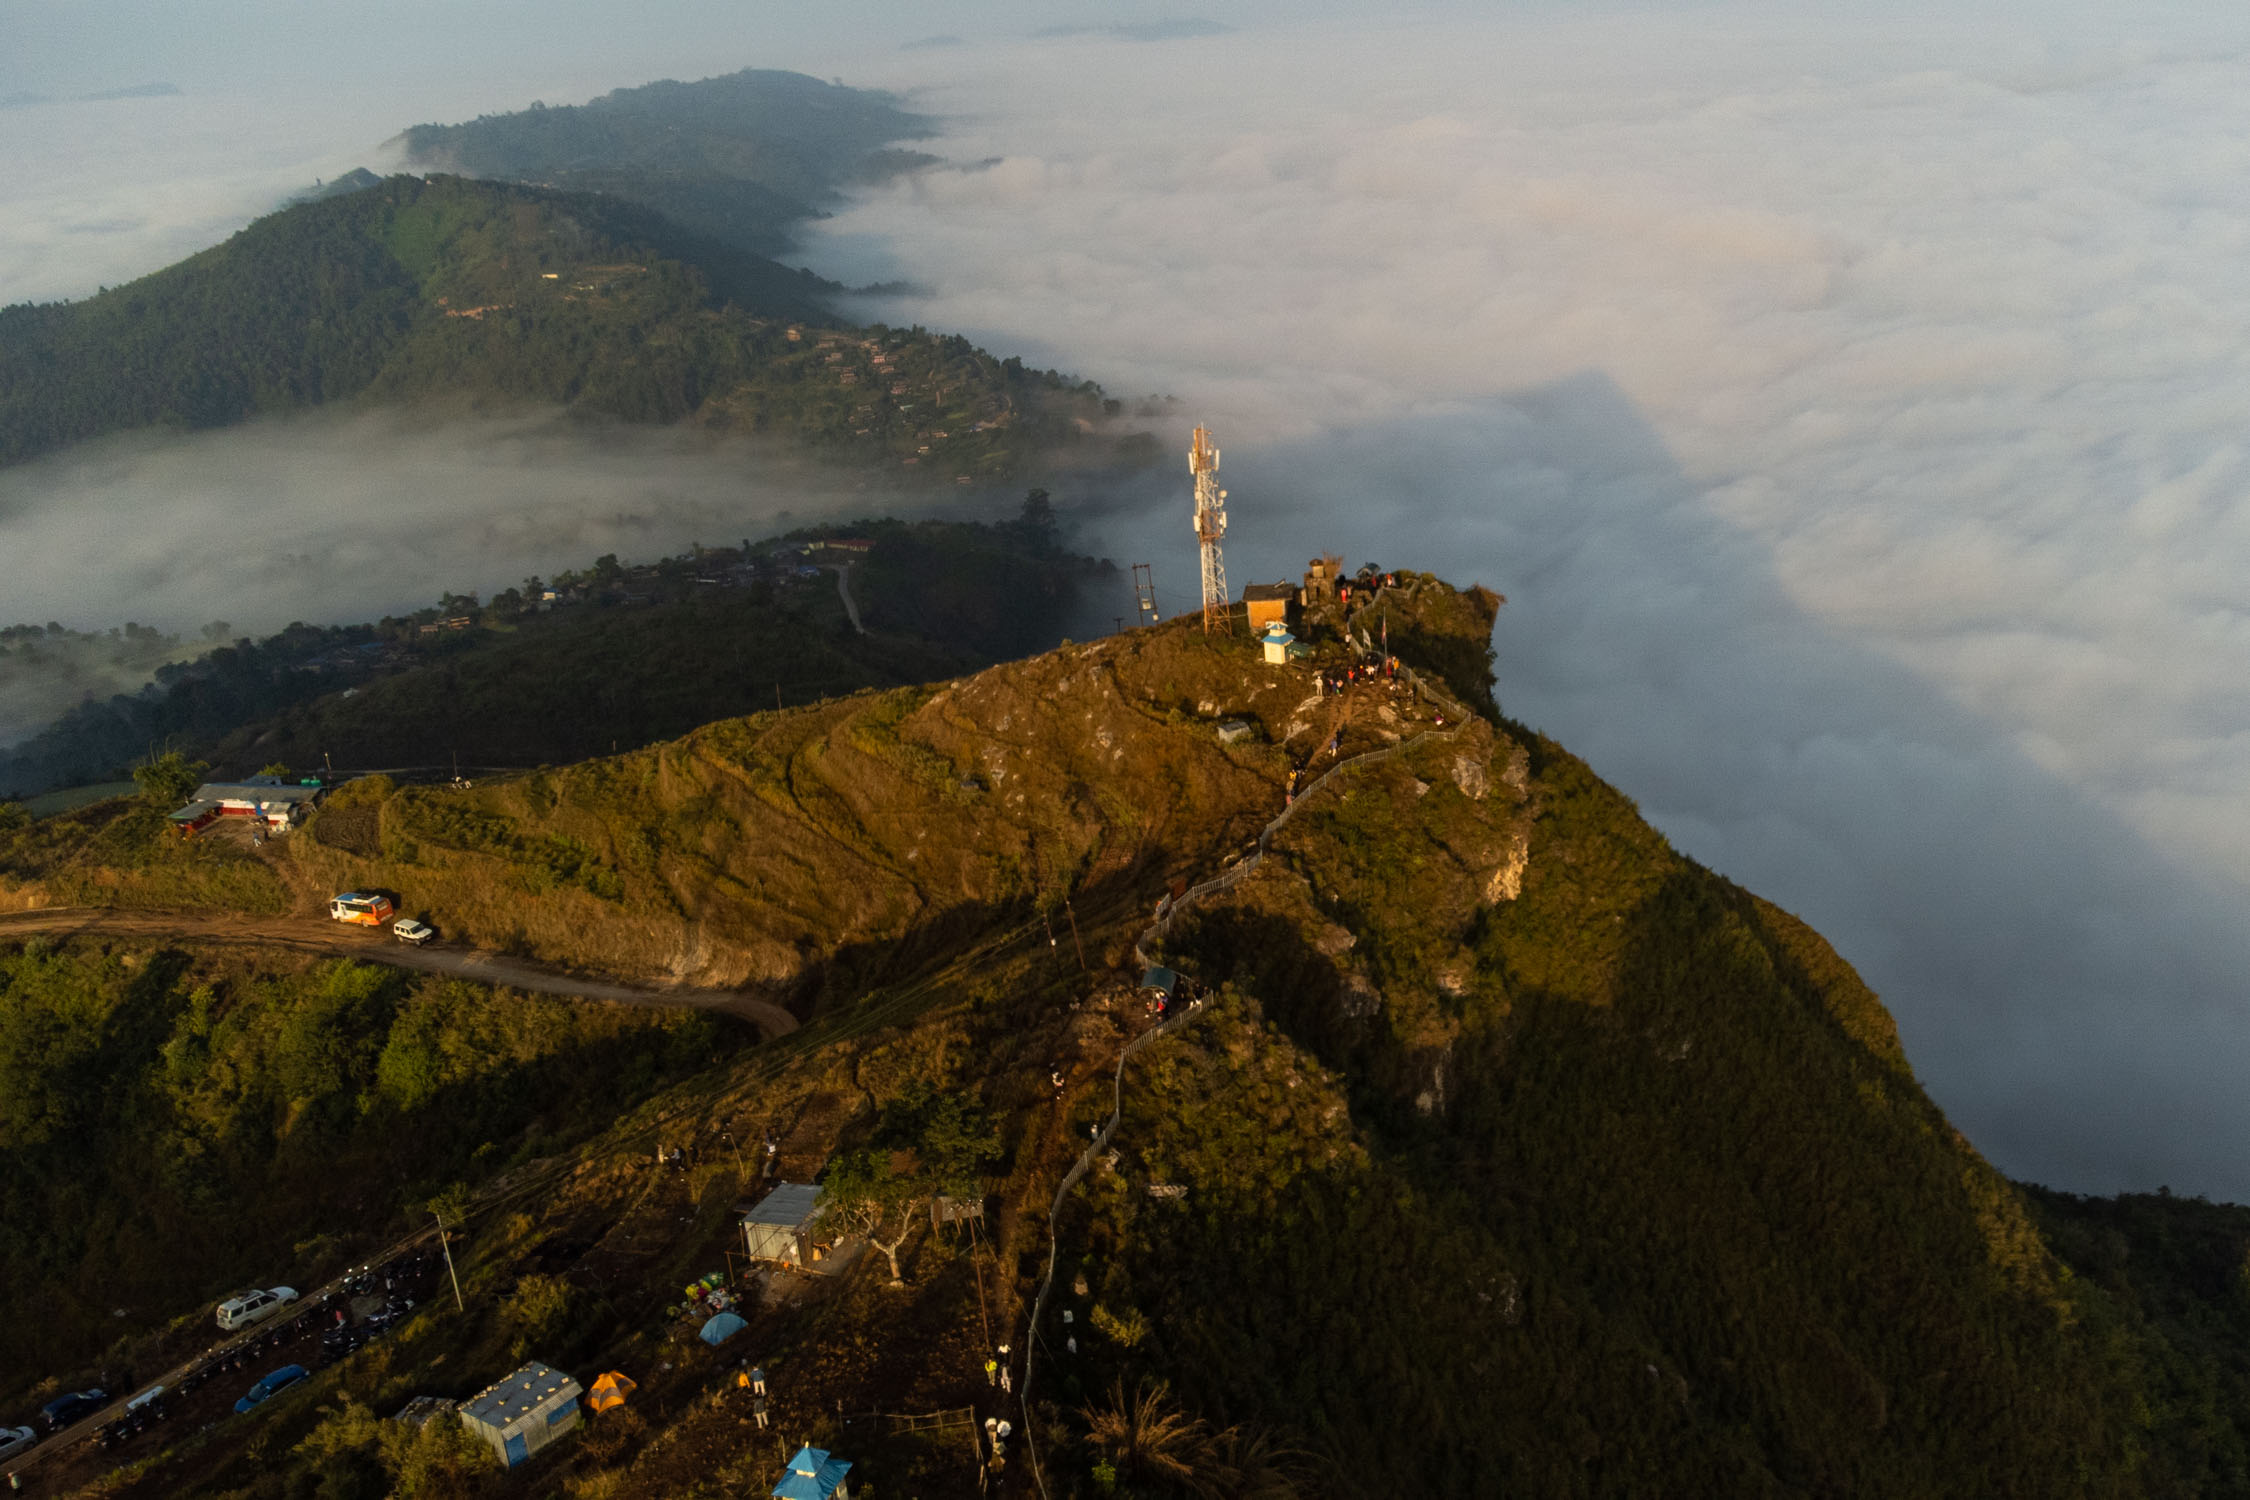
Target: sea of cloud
x=1852 y=411
x=328 y=518
x=1848 y=402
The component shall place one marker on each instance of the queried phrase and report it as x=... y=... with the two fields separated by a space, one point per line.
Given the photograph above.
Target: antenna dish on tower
x=1210 y=527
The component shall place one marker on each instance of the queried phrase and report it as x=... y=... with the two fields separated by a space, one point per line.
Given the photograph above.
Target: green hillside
x=626 y=654
x=175 y=1125
x=451 y=290
x=1512 y=1153
x=740 y=158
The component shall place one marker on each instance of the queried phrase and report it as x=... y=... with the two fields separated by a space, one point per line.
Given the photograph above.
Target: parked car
x=13 y=1440
x=267 y=1387
x=64 y=1410
x=408 y=930
x=254 y=1307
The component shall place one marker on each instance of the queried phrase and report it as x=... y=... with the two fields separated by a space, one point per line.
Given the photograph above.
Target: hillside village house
x=278 y=805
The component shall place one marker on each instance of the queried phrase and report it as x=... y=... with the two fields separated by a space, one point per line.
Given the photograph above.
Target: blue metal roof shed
x=813 y=1475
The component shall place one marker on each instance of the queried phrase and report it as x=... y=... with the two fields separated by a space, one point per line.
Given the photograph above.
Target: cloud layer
x=341 y=518
x=1852 y=411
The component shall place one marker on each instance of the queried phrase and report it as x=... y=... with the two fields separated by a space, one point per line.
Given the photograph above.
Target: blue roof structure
x=812 y=1475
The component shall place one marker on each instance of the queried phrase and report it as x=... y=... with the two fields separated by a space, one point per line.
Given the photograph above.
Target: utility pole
x=1210 y=529
x=446 y=1244
x=1144 y=595
x=1076 y=942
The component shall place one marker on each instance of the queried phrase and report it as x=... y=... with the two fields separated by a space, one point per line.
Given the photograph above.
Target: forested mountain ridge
x=622 y=654
x=448 y=289
x=740 y=158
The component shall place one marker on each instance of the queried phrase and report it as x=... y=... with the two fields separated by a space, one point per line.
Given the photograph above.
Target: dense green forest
x=627 y=655
x=449 y=289
x=173 y=1126
x=740 y=158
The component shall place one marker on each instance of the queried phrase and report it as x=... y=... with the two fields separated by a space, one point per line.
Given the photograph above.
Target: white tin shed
x=524 y=1412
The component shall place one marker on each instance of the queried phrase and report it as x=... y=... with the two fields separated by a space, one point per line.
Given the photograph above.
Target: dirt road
x=843 y=574
x=322 y=936
x=172 y=1380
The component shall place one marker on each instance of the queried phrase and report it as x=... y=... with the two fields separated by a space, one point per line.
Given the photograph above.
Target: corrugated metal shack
x=781 y=1226
x=524 y=1412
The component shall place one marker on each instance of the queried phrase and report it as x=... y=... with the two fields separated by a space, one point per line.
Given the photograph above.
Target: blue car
x=279 y=1380
x=64 y=1410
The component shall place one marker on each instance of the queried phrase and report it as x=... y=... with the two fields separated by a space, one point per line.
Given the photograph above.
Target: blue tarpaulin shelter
x=813 y=1475
x=722 y=1327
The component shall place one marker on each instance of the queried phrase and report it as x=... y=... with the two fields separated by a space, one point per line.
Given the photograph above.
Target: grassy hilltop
x=1513 y=1152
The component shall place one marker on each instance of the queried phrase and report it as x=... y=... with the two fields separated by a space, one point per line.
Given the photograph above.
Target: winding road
x=333 y=939
x=843 y=572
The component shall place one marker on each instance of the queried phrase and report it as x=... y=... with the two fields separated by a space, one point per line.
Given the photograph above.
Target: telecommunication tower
x=1210 y=528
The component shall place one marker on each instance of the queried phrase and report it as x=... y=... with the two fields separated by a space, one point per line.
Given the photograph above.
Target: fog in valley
x=1848 y=403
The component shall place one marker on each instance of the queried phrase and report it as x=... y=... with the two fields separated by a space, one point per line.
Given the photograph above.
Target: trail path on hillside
x=1224 y=881
x=322 y=936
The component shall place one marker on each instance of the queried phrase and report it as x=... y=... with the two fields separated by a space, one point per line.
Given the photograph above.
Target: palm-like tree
x=1147 y=1436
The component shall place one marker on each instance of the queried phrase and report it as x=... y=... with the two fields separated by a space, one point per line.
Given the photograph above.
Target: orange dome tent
x=611 y=1390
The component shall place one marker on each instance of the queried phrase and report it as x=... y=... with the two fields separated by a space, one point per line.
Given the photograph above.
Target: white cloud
x=1894 y=556
x=338 y=517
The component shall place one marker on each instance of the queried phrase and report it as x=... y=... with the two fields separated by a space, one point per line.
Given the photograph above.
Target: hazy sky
x=1849 y=404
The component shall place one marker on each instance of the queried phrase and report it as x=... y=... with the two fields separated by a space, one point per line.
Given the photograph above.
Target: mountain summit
x=1352 y=1094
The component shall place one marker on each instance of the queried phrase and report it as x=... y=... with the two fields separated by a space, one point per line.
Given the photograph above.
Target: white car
x=254 y=1307
x=13 y=1440
x=407 y=930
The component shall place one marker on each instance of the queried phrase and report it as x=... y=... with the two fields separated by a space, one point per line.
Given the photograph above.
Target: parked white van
x=254 y=1307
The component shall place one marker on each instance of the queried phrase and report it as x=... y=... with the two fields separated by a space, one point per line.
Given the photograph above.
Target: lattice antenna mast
x=1210 y=529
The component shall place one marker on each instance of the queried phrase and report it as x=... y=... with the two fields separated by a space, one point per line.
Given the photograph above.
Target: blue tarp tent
x=721 y=1328
x=813 y=1475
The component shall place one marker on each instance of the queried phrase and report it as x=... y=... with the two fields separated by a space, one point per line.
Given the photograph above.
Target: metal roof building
x=1268 y=604
x=279 y=805
x=781 y=1226
x=524 y=1412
